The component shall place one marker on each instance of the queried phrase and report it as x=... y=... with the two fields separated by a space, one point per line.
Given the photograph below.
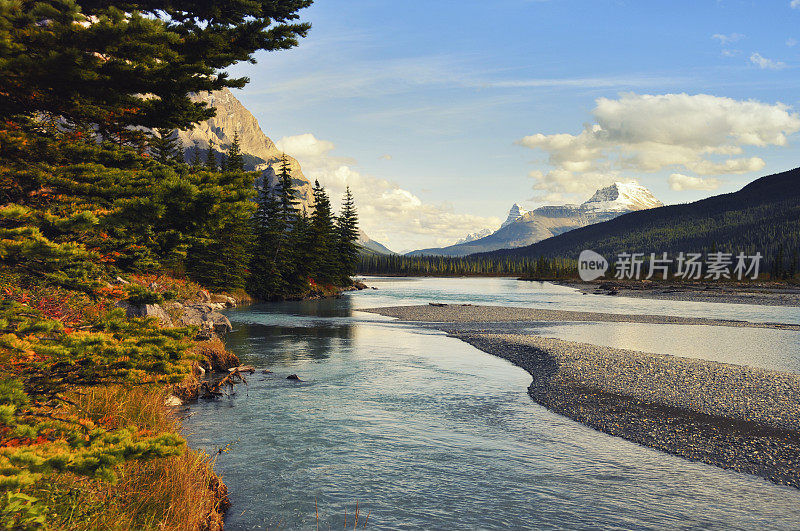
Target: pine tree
x=211 y=157
x=323 y=237
x=196 y=163
x=165 y=146
x=235 y=160
x=347 y=248
x=287 y=195
x=161 y=53
x=265 y=280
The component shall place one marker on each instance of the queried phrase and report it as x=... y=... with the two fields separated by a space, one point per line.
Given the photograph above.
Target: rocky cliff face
x=370 y=246
x=526 y=227
x=259 y=150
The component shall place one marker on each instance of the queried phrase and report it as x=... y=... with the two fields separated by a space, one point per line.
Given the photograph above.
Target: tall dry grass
x=175 y=493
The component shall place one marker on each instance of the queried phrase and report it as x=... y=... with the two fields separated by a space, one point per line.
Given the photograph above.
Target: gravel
x=461 y=313
x=741 y=418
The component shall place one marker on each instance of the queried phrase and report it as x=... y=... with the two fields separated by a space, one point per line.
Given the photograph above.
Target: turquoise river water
x=427 y=432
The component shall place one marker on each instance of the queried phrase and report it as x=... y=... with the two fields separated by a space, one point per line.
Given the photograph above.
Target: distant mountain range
x=764 y=217
x=523 y=227
x=370 y=246
x=260 y=152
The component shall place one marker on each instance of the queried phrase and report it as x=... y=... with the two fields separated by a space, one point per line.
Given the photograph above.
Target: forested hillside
x=100 y=219
x=764 y=217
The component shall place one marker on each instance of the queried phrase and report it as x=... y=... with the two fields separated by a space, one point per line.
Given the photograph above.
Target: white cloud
x=388 y=213
x=726 y=39
x=304 y=146
x=791 y=42
x=680 y=182
x=385 y=156
x=795 y=4
x=701 y=133
x=764 y=63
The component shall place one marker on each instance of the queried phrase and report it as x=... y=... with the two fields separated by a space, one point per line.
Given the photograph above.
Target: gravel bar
x=740 y=418
x=465 y=313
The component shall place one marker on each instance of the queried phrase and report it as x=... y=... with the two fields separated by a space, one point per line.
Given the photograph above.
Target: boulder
x=359 y=285
x=294 y=377
x=173 y=401
x=204 y=296
x=206 y=317
x=133 y=311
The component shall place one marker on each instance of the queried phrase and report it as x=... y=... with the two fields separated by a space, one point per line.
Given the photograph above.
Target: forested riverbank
x=109 y=241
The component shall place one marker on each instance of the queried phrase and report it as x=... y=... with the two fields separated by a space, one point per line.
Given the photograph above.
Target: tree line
x=93 y=186
x=375 y=264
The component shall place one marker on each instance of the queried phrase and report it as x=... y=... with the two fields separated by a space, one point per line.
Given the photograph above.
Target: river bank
x=730 y=416
x=759 y=293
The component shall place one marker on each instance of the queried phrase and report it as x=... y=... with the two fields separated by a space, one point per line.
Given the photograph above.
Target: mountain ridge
x=523 y=227
x=763 y=216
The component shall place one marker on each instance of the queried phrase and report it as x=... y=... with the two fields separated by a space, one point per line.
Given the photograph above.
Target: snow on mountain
x=622 y=197
x=526 y=227
x=475 y=236
x=514 y=214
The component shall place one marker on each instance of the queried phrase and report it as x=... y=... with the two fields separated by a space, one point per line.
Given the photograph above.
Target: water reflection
x=290 y=331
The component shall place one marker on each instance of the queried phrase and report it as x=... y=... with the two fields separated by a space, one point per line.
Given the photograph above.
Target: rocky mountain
x=514 y=214
x=370 y=246
x=763 y=217
x=523 y=228
x=260 y=152
x=475 y=236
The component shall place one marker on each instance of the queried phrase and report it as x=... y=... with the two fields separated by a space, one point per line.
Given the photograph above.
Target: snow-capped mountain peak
x=622 y=196
x=514 y=214
x=475 y=236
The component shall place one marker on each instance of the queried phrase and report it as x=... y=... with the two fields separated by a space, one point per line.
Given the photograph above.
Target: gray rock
x=133 y=311
x=206 y=317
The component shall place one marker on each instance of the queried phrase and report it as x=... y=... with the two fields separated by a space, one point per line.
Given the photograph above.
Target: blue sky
x=441 y=114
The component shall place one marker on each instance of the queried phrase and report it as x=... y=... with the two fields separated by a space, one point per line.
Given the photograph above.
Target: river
x=427 y=432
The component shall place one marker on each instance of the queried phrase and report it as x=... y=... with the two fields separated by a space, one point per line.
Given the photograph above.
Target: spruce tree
x=287 y=195
x=235 y=160
x=139 y=61
x=347 y=248
x=165 y=146
x=196 y=162
x=266 y=263
x=211 y=157
x=323 y=237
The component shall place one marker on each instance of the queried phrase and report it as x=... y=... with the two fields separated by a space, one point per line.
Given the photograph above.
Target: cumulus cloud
x=388 y=213
x=304 y=146
x=701 y=133
x=726 y=39
x=680 y=182
x=764 y=63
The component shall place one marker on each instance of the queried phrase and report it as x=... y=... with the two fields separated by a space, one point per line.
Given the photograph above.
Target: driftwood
x=210 y=390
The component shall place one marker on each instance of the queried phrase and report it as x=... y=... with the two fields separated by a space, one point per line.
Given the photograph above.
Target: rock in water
x=293 y=377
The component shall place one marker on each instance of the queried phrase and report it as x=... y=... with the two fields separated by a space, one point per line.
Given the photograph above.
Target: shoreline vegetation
x=109 y=240
x=734 y=417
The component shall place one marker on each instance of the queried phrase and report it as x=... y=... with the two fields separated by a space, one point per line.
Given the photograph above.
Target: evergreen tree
x=139 y=61
x=347 y=249
x=323 y=237
x=165 y=146
x=235 y=160
x=287 y=195
x=211 y=157
x=196 y=162
x=265 y=280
